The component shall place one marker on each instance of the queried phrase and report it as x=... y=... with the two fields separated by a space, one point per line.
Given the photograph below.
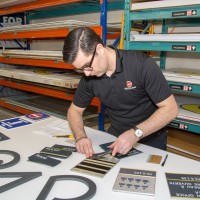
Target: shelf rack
x=155 y=15
x=181 y=16
x=36 y=62
x=45 y=91
x=50 y=33
x=39 y=5
x=37 y=34
x=185 y=125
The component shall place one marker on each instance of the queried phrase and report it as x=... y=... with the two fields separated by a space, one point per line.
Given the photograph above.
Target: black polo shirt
x=130 y=94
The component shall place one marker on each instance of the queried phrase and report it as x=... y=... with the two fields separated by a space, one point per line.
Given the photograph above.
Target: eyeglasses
x=88 y=66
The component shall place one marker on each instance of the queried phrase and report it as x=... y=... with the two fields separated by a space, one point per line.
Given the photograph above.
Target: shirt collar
x=119 y=59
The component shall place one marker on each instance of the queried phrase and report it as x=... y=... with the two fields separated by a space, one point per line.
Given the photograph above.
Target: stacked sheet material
x=7 y=3
x=54 y=77
x=165 y=37
x=53 y=25
x=35 y=54
x=48 y=25
x=162 y=4
x=182 y=75
x=189 y=108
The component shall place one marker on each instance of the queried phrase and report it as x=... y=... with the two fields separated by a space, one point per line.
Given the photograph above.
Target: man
x=131 y=86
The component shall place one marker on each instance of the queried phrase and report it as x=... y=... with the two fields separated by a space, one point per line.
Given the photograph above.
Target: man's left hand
x=124 y=143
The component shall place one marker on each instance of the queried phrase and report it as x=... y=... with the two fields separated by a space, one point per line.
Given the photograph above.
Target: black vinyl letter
x=23 y=177
x=88 y=195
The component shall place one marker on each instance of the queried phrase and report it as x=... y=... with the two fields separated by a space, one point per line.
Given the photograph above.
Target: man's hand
x=124 y=143
x=84 y=145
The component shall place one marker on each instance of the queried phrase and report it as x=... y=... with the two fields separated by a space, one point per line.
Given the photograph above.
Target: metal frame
x=188 y=16
x=44 y=91
x=58 y=33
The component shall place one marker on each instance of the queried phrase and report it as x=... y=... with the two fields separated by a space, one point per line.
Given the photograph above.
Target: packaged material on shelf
x=6 y=3
x=54 y=25
x=182 y=75
x=35 y=54
x=54 y=77
x=189 y=108
x=48 y=25
x=162 y=4
x=165 y=37
x=137 y=1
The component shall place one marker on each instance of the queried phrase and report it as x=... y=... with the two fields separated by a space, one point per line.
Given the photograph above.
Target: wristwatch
x=138 y=132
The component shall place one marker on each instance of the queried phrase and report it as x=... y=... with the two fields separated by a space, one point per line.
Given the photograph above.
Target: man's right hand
x=84 y=145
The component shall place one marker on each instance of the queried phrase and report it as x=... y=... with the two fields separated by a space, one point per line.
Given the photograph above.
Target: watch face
x=139 y=133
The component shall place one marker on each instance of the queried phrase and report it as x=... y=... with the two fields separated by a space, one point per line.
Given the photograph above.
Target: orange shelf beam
x=50 y=33
x=45 y=91
x=36 y=62
x=113 y=35
x=53 y=33
x=18 y=109
x=35 y=5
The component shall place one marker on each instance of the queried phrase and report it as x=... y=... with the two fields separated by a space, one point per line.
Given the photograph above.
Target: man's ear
x=100 y=49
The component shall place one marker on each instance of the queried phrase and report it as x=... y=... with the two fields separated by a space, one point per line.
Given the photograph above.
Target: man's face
x=91 y=65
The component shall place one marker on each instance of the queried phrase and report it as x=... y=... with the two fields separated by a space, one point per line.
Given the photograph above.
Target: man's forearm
x=159 y=119
x=75 y=120
x=155 y=122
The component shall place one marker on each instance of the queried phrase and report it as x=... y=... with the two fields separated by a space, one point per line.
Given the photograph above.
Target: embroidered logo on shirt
x=129 y=86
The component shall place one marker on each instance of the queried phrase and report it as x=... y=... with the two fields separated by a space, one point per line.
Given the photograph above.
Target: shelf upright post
x=28 y=46
x=103 y=23
x=127 y=24
x=163 y=53
x=103 y=19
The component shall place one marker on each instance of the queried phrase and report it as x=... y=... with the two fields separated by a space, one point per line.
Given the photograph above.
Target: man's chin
x=99 y=75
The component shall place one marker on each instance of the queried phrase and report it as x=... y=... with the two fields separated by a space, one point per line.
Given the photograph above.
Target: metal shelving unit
x=185 y=125
x=38 y=34
x=50 y=33
x=181 y=16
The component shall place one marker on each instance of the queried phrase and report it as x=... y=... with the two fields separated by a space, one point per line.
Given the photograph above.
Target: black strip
x=103 y=161
x=96 y=166
x=90 y=170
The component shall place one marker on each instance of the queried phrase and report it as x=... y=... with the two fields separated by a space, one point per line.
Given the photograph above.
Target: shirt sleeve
x=83 y=94
x=154 y=81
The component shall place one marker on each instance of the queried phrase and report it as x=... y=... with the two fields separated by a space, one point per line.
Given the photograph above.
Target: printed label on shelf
x=179 y=125
x=181 y=87
x=14 y=123
x=37 y=116
x=184 y=13
x=184 y=47
x=11 y=20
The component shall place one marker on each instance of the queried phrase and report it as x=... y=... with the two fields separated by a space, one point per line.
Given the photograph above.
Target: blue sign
x=17 y=19
x=12 y=20
x=37 y=116
x=14 y=123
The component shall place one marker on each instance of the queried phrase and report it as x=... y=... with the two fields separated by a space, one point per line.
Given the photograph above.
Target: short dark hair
x=83 y=37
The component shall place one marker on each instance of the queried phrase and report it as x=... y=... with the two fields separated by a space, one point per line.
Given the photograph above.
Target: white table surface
x=25 y=142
